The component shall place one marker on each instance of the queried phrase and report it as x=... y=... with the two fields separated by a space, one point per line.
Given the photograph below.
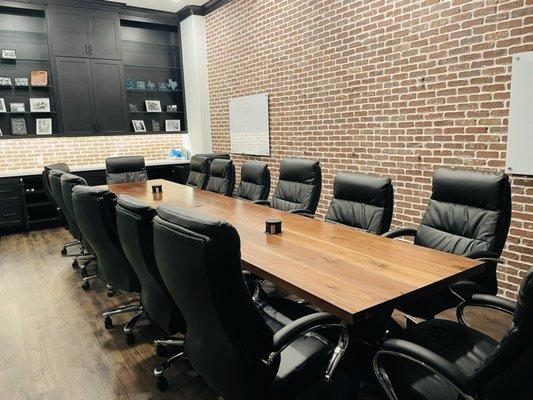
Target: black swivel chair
x=134 y=225
x=125 y=169
x=469 y=214
x=299 y=187
x=200 y=168
x=255 y=181
x=446 y=360
x=221 y=177
x=94 y=209
x=362 y=201
x=241 y=350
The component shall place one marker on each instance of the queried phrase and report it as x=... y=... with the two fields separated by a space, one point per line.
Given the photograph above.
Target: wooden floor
x=53 y=344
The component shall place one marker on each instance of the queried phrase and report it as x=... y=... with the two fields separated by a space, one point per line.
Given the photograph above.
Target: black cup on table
x=273 y=226
x=156 y=189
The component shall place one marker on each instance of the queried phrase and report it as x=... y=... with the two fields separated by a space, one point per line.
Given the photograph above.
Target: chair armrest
x=427 y=359
x=486 y=301
x=400 y=232
x=262 y=202
x=303 y=212
x=483 y=255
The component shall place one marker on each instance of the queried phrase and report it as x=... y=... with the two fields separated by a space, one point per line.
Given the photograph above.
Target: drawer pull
x=9 y=215
x=6 y=191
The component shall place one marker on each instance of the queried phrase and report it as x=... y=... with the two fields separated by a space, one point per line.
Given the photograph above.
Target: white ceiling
x=163 y=5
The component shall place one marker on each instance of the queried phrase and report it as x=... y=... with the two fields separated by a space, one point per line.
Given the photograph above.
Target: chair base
x=162 y=350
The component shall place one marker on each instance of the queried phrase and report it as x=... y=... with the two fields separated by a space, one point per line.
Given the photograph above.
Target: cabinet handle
x=90 y=49
x=9 y=215
x=6 y=191
x=86 y=49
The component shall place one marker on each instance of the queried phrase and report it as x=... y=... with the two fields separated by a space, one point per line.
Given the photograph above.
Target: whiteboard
x=520 y=137
x=249 y=128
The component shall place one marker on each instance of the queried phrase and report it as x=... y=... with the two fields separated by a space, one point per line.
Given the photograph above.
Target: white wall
x=194 y=50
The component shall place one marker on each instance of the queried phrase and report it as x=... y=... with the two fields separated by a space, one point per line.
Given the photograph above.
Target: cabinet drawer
x=10 y=189
x=11 y=212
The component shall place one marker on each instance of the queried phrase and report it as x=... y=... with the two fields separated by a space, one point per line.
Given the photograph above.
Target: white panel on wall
x=520 y=138
x=249 y=129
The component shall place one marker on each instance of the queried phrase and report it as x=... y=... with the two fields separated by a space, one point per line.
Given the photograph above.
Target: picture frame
x=5 y=81
x=39 y=104
x=39 y=78
x=9 y=54
x=172 y=108
x=156 y=127
x=22 y=82
x=133 y=107
x=17 y=107
x=153 y=106
x=138 y=125
x=43 y=126
x=141 y=85
x=172 y=125
x=18 y=126
x=2 y=105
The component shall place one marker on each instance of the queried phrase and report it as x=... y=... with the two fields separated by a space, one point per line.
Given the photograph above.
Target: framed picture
x=155 y=126
x=153 y=105
x=2 y=105
x=43 y=126
x=18 y=126
x=133 y=107
x=8 y=54
x=5 y=81
x=173 y=125
x=172 y=108
x=17 y=107
x=21 y=82
x=39 y=78
x=138 y=125
x=41 y=104
x=141 y=85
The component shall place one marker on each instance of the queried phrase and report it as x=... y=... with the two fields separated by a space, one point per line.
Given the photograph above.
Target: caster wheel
x=63 y=251
x=130 y=339
x=162 y=383
x=108 y=323
x=84 y=273
x=86 y=285
x=110 y=292
x=75 y=264
x=161 y=350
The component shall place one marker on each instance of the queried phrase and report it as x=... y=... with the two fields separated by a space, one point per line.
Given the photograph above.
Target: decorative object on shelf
x=133 y=107
x=40 y=104
x=150 y=85
x=2 y=106
x=130 y=84
x=39 y=78
x=138 y=125
x=155 y=126
x=18 y=126
x=172 y=108
x=8 y=54
x=17 y=107
x=163 y=86
x=43 y=126
x=172 y=84
x=172 y=125
x=5 y=81
x=153 y=105
x=21 y=82
x=141 y=85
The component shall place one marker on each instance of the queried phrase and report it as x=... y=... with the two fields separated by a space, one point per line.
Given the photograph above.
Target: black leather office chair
x=221 y=177
x=125 y=169
x=469 y=214
x=200 y=169
x=242 y=349
x=255 y=181
x=134 y=225
x=299 y=187
x=94 y=209
x=446 y=360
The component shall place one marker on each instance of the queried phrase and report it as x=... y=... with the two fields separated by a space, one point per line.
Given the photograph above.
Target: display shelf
x=141 y=43
x=28 y=112
x=158 y=67
x=29 y=87
x=155 y=90
x=26 y=34
x=156 y=113
x=14 y=61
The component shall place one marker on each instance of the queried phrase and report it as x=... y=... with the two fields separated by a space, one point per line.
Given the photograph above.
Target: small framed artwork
x=133 y=107
x=21 y=82
x=153 y=105
x=141 y=85
x=41 y=104
x=17 y=107
x=39 y=78
x=43 y=126
x=172 y=108
x=2 y=106
x=8 y=54
x=150 y=85
x=155 y=126
x=5 y=81
x=138 y=125
x=172 y=125
x=18 y=126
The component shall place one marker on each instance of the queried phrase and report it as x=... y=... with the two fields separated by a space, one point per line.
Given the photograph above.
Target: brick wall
x=19 y=154
x=395 y=88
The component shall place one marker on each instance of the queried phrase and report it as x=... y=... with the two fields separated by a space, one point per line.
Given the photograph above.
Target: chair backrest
x=509 y=368
x=199 y=260
x=468 y=211
x=299 y=185
x=94 y=209
x=125 y=169
x=255 y=181
x=45 y=175
x=68 y=181
x=136 y=234
x=221 y=177
x=199 y=172
x=57 y=193
x=362 y=201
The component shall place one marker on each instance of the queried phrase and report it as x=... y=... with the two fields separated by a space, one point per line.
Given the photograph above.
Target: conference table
x=352 y=274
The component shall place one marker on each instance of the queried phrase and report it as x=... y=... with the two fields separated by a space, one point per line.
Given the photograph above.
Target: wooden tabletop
x=351 y=274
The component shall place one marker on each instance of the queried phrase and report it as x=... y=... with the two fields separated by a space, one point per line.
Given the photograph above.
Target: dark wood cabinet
x=105 y=36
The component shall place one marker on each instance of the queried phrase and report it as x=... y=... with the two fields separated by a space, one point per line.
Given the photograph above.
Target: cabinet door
x=76 y=94
x=69 y=28
x=108 y=96
x=104 y=36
